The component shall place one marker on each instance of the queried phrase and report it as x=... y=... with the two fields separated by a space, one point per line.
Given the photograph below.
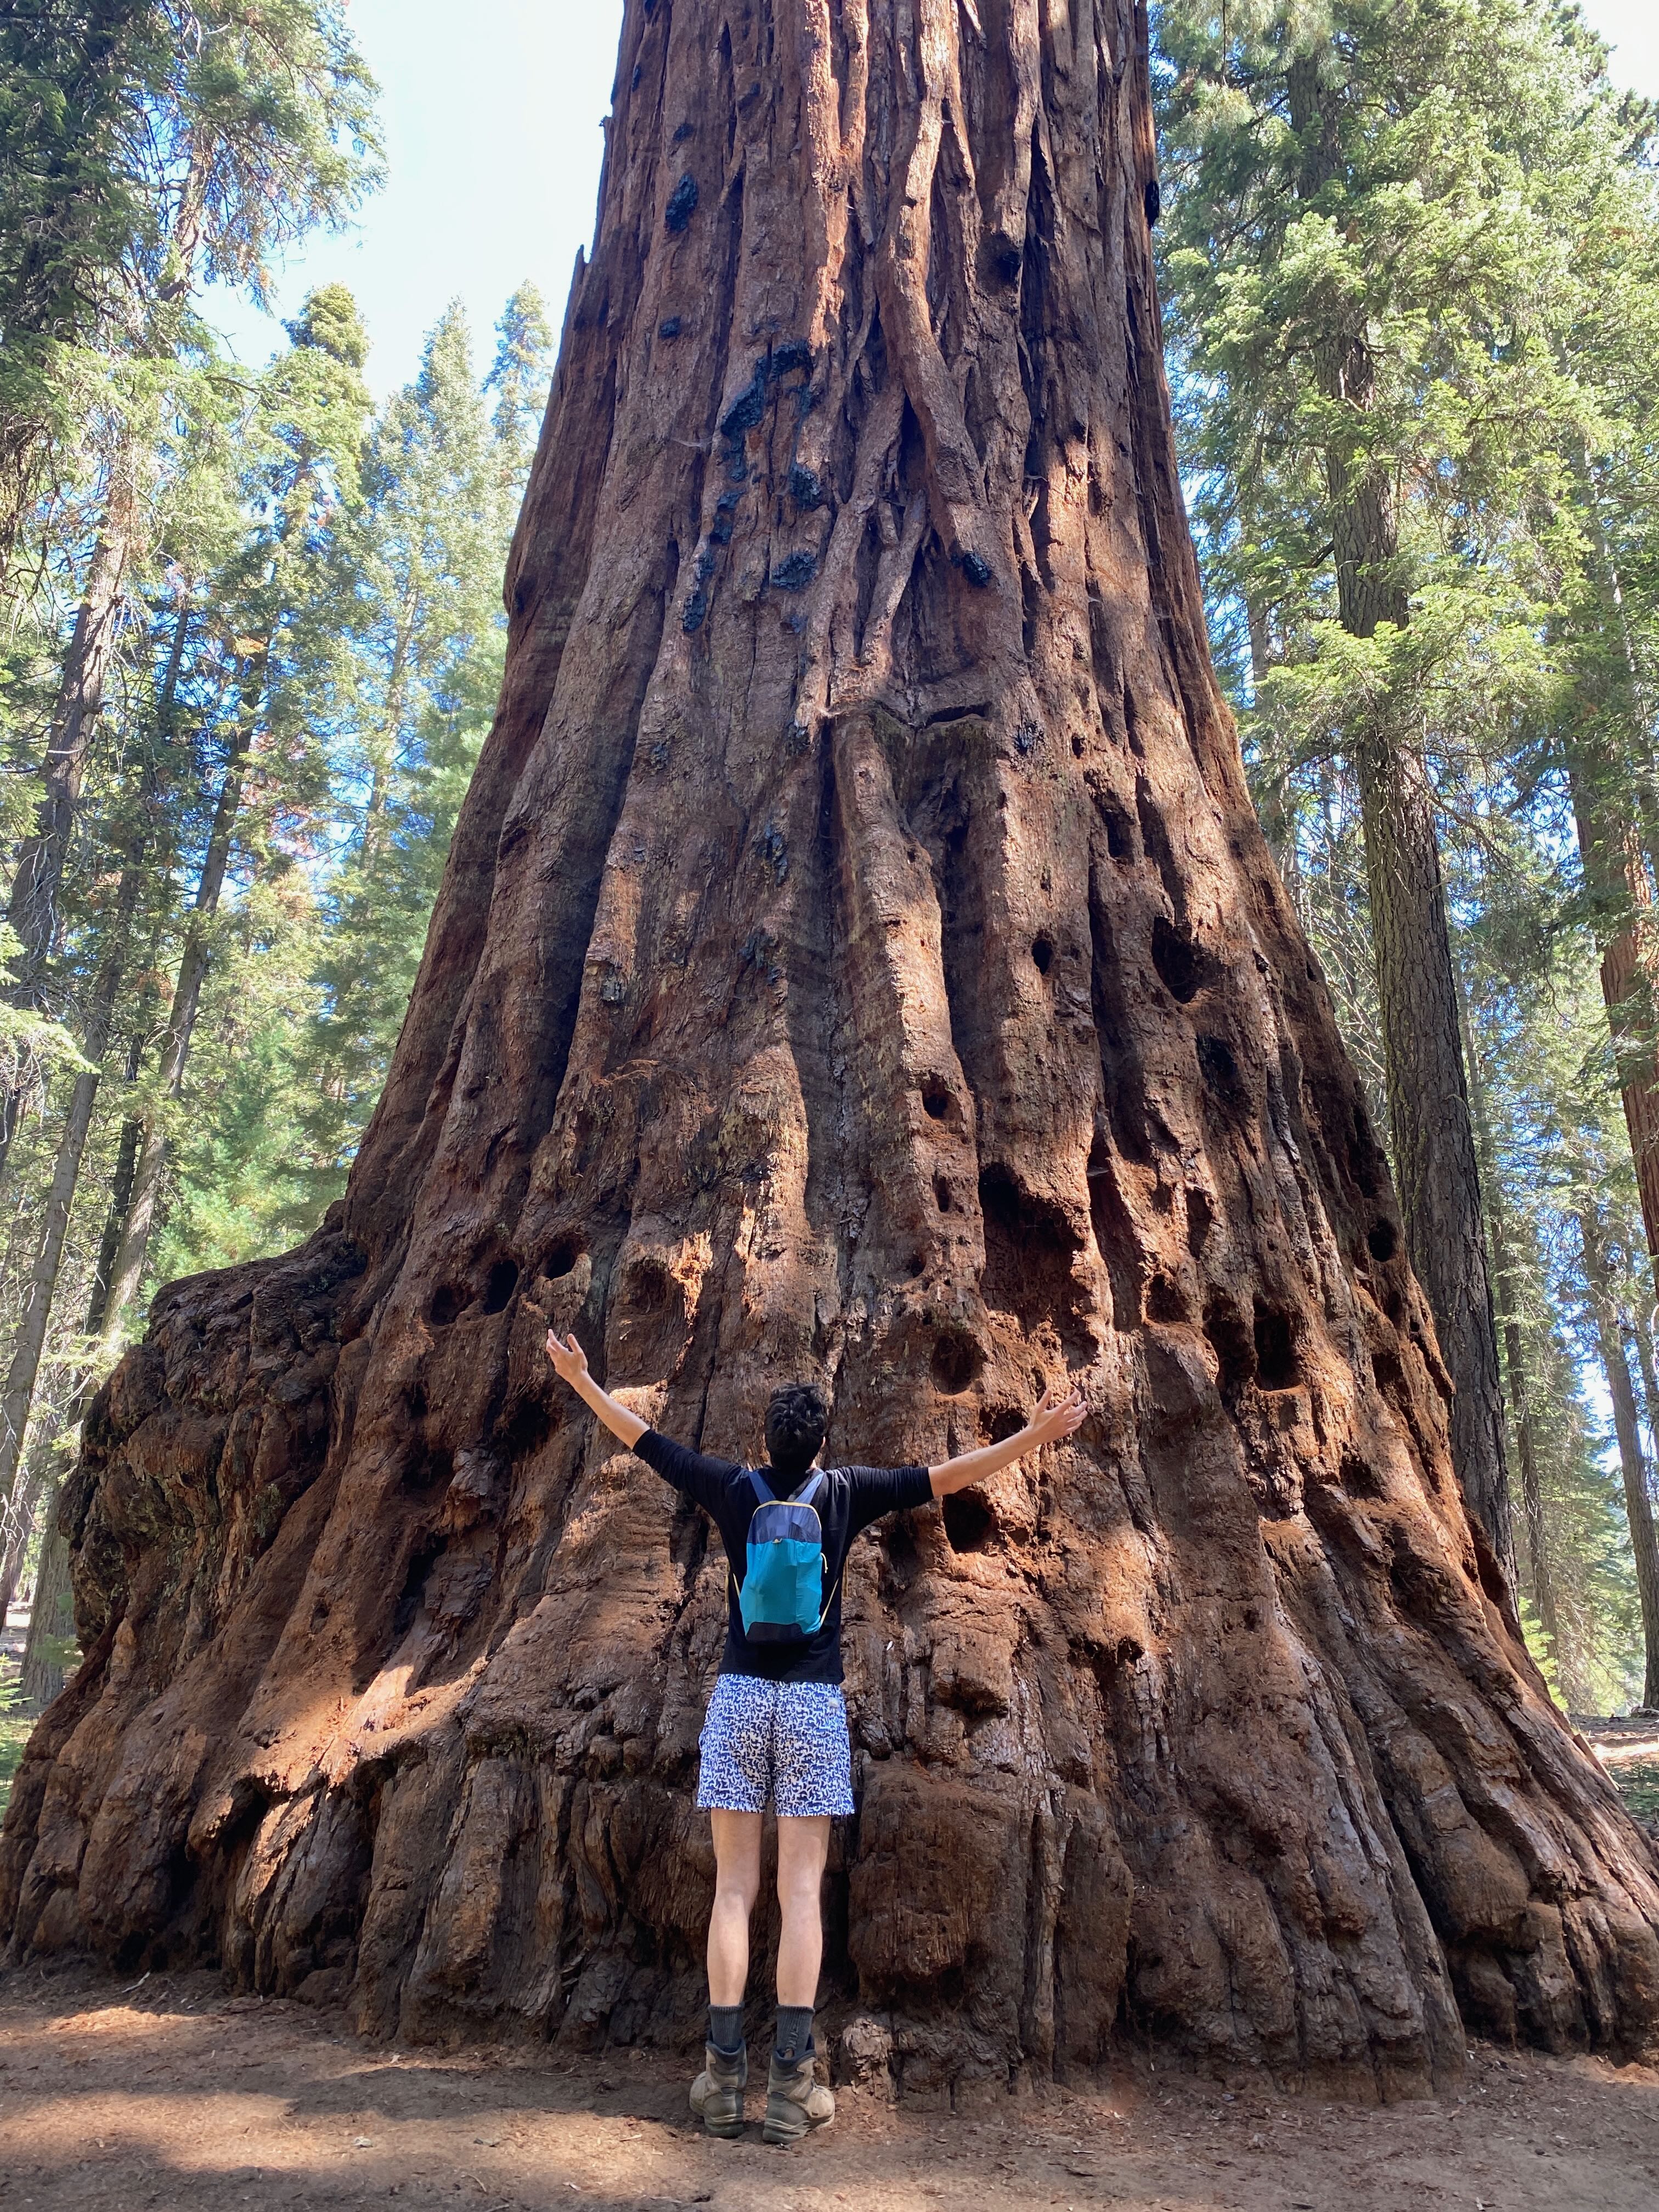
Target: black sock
x=795 y=2037
x=726 y=2029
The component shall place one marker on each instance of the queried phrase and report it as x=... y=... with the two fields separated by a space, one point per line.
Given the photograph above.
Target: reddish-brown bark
x=858 y=959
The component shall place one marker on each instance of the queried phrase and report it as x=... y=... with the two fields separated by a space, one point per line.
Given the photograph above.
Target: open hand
x=1060 y=1414
x=569 y=1360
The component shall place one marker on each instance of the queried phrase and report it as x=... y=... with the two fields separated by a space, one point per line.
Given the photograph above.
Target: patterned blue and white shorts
x=786 y=1740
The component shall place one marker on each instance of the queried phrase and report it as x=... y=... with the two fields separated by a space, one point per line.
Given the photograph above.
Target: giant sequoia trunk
x=858 y=959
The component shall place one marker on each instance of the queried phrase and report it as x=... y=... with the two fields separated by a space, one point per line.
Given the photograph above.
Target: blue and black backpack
x=781 y=1599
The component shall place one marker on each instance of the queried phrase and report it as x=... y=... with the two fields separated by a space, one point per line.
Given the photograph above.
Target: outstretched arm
x=1059 y=1414
x=571 y=1363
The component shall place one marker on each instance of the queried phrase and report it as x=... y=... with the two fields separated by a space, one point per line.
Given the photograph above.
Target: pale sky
x=491 y=114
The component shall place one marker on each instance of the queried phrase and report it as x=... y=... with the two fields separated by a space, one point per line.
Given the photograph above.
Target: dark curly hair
x=796 y=1419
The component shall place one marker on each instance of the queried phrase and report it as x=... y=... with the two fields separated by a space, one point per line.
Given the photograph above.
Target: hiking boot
x=717 y=2092
x=796 y=2101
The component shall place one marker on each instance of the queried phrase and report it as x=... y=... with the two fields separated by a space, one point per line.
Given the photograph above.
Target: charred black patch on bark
x=682 y=205
x=427 y=1468
x=795 y=571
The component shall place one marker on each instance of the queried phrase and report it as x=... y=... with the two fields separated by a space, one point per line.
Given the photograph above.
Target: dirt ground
x=170 y=2093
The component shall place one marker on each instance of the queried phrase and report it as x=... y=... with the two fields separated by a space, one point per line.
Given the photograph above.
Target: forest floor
x=168 y=2093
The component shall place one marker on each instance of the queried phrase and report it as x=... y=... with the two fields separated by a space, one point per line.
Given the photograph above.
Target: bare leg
x=803 y=1846
x=737 y=1885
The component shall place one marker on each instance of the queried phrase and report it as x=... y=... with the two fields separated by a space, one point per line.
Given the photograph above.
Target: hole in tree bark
x=1230 y=1341
x=1043 y=952
x=420 y=1565
x=1177 y=960
x=969 y=1523
x=1000 y=1422
x=503 y=1281
x=915 y=1265
x=1120 y=835
x=1114 y=1239
x=935 y=1097
x=563 y=1258
x=1200 y=1215
x=1383 y=1241
x=447 y=1300
x=1276 y=1367
x=941 y=1194
x=523 y=1430
x=1220 y=1072
x=1164 y=1302
x=955 y=1363
x=1029 y=1248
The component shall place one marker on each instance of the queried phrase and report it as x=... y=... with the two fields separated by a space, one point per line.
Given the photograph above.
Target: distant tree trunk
x=36 y=891
x=857 y=958
x=1433 y=1143
x=24 y=1506
x=60 y=1198
x=34 y=909
x=138 y=1216
x=1507 y=1288
x=1638 y=1504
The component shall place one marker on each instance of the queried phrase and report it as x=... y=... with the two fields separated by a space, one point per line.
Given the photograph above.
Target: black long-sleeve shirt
x=851 y=1498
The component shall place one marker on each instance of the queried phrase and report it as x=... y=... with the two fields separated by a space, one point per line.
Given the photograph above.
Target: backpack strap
x=809 y=1488
x=761 y=1493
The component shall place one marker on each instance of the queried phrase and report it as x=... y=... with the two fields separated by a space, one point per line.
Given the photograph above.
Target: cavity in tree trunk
x=858 y=959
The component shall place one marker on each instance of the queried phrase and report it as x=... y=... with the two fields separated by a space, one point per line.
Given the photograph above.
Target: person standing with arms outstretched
x=776 y=1726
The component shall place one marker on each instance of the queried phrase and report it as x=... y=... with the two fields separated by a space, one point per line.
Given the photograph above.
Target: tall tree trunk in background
x=30 y=1338
x=1638 y=1503
x=1507 y=1287
x=37 y=886
x=857 y=958
x=33 y=908
x=1609 y=815
x=139 y=1214
x=24 y=1506
x=1433 y=1142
